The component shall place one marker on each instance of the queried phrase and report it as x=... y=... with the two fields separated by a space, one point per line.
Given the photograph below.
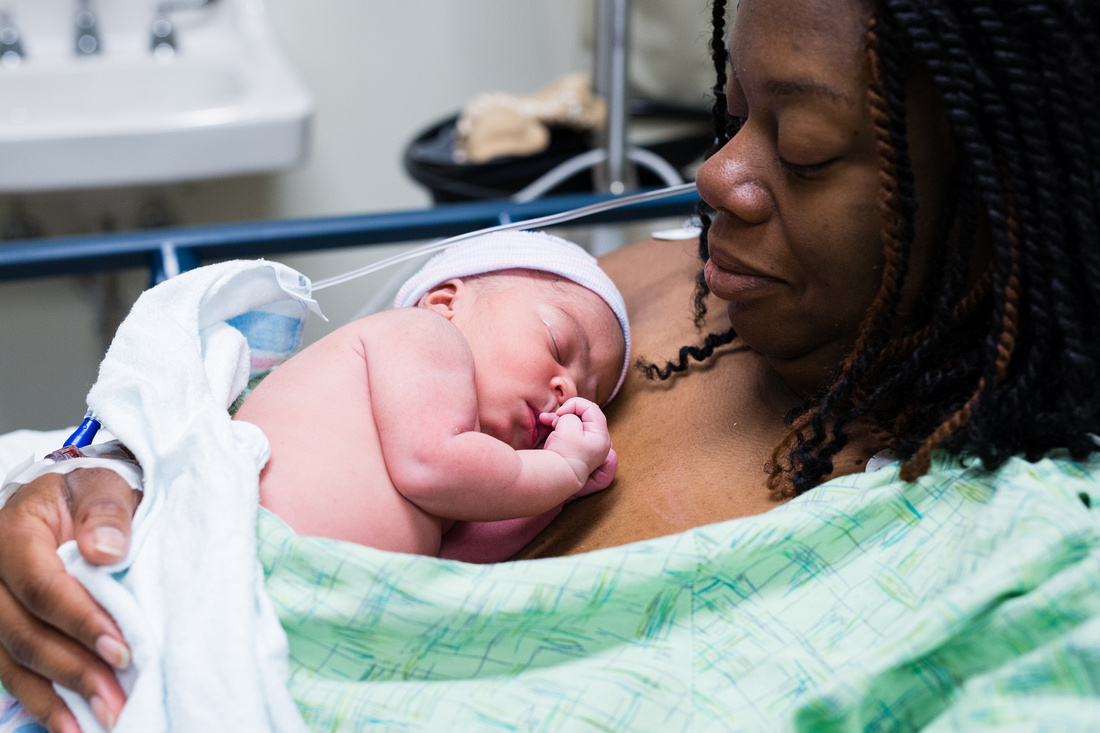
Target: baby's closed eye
x=555 y=346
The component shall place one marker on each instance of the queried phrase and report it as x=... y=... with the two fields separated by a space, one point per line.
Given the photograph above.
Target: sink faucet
x=87 y=33
x=164 y=35
x=163 y=31
x=11 y=48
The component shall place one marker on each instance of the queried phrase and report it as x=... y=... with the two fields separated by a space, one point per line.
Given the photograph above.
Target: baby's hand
x=580 y=436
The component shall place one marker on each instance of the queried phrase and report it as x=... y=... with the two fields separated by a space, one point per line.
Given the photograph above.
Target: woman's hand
x=51 y=630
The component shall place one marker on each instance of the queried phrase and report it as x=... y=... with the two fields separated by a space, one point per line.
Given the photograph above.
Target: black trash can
x=429 y=158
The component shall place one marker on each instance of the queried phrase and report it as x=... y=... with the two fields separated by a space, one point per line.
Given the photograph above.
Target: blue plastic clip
x=84 y=435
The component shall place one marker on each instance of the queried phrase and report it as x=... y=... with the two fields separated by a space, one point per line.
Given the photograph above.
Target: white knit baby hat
x=519 y=250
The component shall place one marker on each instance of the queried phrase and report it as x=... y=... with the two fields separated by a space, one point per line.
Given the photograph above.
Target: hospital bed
x=168 y=251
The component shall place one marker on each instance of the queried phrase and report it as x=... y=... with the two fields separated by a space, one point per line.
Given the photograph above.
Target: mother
x=904 y=232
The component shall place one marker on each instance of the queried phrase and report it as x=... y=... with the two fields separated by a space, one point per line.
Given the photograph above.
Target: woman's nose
x=564 y=388
x=731 y=180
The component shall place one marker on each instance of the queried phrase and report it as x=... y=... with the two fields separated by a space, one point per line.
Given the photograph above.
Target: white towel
x=208 y=651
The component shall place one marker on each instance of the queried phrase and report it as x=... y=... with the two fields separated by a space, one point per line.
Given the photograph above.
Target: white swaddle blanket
x=208 y=651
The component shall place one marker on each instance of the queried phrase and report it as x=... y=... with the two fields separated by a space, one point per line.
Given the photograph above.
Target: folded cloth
x=495 y=124
x=208 y=651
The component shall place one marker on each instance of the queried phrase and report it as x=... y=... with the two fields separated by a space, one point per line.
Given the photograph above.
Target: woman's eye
x=806 y=172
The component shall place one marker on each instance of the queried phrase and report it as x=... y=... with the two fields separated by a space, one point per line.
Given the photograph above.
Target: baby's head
x=545 y=324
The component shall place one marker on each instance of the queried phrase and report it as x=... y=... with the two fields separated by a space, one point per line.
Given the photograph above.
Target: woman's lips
x=730 y=280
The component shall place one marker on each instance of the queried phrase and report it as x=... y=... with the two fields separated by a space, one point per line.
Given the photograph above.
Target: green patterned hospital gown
x=965 y=601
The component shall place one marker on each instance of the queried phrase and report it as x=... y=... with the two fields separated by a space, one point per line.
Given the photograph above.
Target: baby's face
x=537 y=343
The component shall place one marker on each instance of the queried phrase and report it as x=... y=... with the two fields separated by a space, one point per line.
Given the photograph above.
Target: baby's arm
x=421 y=380
x=488 y=542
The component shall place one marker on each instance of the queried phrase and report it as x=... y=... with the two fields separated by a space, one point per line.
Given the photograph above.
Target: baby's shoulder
x=417 y=329
x=422 y=320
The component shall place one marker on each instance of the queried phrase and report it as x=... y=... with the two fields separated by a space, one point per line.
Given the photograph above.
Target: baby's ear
x=441 y=298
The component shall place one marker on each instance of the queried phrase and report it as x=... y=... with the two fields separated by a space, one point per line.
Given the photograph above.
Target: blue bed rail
x=181 y=248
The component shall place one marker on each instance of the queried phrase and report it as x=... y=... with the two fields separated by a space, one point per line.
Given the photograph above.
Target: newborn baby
x=481 y=403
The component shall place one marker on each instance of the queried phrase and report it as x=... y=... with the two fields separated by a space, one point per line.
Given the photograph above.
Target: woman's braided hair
x=995 y=363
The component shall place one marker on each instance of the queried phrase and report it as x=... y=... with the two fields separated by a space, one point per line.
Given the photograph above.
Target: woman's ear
x=442 y=298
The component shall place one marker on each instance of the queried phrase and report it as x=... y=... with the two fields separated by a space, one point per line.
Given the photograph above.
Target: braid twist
x=698 y=353
x=724 y=128
x=722 y=133
x=810 y=459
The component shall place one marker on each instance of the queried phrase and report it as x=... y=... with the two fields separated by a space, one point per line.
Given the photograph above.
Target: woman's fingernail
x=109 y=540
x=113 y=652
x=101 y=712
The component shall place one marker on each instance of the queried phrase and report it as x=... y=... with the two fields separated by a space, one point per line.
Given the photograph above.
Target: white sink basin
x=225 y=103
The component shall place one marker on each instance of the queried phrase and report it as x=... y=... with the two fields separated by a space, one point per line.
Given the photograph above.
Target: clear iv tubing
x=541 y=221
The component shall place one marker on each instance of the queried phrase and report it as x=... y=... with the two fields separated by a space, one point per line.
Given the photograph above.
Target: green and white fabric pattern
x=962 y=602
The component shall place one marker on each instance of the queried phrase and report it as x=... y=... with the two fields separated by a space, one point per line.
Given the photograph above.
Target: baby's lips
x=541 y=436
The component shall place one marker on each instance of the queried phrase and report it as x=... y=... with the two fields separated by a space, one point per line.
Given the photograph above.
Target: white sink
x=225 y=103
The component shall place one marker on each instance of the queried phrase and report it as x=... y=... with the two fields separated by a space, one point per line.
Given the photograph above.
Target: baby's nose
x=564 y=388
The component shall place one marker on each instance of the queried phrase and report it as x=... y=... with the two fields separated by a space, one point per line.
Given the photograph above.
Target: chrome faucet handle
x=11 y=45
x=163 y=41
x=87 y=30
x=163 y=31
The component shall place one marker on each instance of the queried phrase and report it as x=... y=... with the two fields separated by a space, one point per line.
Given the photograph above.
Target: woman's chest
x=692 y=451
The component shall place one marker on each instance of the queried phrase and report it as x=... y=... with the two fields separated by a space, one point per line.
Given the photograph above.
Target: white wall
x=379 y=71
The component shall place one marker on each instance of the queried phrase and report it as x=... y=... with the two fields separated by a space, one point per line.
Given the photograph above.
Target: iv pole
x=613 y=160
